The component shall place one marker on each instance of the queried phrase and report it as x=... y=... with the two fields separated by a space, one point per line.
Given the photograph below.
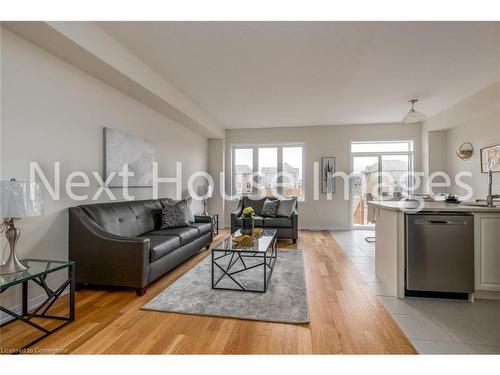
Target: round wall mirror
x=465 y=151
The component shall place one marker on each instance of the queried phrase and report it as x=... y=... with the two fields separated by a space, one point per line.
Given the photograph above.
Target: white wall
x=216 y=169
x=320 y=141
x=476 y=120
x=52 y=112
x=438 y=150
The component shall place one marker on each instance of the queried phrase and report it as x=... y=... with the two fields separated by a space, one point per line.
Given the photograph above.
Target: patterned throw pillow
x=270 y=208
x=286 y=207
x=184 y=202
x=173 y=216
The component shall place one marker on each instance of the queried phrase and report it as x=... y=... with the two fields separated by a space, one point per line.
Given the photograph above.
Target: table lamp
x=18 y=199
x=204 y=191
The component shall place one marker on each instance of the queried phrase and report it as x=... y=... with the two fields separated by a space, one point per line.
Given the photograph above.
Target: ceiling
x=268 y=74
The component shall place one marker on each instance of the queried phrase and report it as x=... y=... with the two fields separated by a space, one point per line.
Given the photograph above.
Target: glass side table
x=37 y=273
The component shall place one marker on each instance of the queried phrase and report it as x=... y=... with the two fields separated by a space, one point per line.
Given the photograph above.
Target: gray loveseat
x=120 y=243
x=286 y=227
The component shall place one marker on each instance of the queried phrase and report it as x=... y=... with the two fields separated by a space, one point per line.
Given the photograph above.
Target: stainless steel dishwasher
x=440 y=252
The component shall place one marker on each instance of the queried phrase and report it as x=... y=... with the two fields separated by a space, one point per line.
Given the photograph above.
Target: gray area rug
x=285 y=300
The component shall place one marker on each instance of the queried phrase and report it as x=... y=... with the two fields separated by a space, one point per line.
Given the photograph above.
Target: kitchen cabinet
x=389 y=262
x=390 y=244
x=487 y=252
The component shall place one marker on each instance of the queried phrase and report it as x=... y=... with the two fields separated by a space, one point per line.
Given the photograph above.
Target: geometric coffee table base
x=243 y=260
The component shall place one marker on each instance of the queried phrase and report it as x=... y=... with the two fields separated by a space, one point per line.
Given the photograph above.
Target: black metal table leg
x=212 y=265
x=272 y=261
x=25 y=298
x=71 y=275
x=265 y=271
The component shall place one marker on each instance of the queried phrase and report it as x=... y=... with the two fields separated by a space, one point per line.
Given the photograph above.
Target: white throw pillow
x=286 y=207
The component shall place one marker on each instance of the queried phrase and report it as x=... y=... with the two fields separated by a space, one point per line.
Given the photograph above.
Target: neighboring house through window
x=275 y=169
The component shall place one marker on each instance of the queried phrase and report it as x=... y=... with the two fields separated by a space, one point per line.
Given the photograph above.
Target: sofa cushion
x=162 y=245
x=258 y=221
x=286 y=207
x=203 y=228
x=128 y=219
x=270 y=208
x=187 y=202
x=256 y=203
x=174 y=216
x=277 y=222
x=185 y=234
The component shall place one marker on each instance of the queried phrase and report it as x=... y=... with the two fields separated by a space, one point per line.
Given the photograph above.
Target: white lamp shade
x=413 y=117
x=20 y=199
x=204 y=191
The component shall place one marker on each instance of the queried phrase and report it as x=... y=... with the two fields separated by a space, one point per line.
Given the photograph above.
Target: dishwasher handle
x=440 y=222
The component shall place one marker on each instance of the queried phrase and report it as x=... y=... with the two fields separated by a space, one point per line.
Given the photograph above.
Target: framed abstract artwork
x=490 y=158
x=121 y=148
x=327 y=175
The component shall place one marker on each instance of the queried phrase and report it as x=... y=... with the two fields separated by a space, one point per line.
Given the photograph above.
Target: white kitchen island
x=390 y=244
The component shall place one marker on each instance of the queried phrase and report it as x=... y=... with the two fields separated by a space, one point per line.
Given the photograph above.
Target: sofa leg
x=294 y=240
x=140 y=291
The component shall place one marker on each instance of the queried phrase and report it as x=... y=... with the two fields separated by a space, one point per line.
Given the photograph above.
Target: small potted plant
x=247 y=220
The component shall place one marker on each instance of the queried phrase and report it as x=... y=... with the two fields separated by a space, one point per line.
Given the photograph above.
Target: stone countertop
x=431 y=206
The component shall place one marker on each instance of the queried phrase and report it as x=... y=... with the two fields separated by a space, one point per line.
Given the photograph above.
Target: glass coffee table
x=242 y=268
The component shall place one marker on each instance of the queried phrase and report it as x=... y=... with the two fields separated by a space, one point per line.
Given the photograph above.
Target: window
x=292 y=171
x=382 y=147
x=243 y=162
x=268 y=171
x=274 y=169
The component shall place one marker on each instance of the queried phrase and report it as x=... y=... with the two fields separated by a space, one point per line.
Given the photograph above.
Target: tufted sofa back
x=128 y=219
x=256 y=202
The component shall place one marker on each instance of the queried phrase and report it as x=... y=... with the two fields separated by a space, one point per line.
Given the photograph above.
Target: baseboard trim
x=314 y=227
x=320 y=227
x=484 y=294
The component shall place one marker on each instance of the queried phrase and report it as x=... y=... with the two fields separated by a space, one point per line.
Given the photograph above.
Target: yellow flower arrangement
x=247 y=212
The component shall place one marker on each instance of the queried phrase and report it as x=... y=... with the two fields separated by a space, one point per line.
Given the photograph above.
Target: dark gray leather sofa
x=120 y=243
x=286 y=227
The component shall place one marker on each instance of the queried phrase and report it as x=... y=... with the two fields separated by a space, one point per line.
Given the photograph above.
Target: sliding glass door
x=359 y=208
x=380 y=171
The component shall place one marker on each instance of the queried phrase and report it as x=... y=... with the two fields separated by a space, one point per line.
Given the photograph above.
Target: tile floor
x=434 y=326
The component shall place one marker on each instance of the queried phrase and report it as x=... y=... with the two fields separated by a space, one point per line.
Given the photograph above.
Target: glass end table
x=37 y=272
x=244 y=268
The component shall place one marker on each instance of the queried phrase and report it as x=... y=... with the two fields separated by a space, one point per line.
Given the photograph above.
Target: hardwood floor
x=346 y=317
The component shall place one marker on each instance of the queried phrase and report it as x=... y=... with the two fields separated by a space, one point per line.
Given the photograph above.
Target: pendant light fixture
x=413 y=116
